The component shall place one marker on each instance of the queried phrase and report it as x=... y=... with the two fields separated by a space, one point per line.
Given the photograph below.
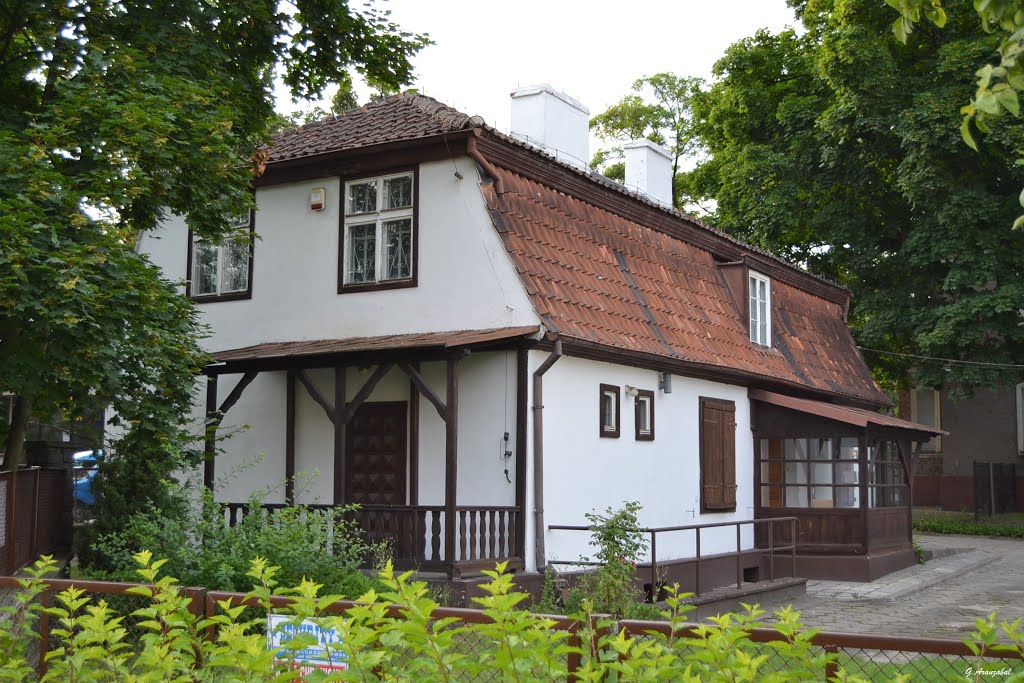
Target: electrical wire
x=936 y=359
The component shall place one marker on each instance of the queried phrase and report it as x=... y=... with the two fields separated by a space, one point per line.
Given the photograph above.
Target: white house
x=477 y=341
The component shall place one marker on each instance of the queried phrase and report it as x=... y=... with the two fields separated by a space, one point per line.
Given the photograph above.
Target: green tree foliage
x=659 y=110
x=114 y=114
x=839 y=149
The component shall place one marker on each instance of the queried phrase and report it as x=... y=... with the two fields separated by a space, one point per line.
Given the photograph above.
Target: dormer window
x=221 y=272
x=760 y=309
x=378 y=246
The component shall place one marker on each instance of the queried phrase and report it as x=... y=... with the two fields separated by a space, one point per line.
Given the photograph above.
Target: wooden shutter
x=718 y=454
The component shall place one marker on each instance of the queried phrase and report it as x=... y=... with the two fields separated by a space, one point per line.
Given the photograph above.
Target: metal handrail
x=654 y=531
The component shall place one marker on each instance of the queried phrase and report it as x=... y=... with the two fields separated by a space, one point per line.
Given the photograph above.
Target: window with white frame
x=609 y=411
x=924 y=409
x=760 y=309
x=644 y=415
x=377 y=240
x=223 y=269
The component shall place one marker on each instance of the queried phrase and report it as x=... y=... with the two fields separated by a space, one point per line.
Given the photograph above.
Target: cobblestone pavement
x=939 y=599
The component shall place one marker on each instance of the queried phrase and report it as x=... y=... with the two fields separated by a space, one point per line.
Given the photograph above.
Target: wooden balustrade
x=485 y=534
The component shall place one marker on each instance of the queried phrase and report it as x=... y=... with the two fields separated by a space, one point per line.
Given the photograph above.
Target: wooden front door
x=376 y=450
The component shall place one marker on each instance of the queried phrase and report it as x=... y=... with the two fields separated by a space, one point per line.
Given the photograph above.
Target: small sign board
x=313 y=658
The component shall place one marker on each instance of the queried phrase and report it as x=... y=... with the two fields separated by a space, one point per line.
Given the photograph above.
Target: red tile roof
x=598 y=277
x=604 y=279
x=392 y=119
x=853 y=416
x=440 y=340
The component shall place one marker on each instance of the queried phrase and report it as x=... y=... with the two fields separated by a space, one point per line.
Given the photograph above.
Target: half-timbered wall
x=253 y=456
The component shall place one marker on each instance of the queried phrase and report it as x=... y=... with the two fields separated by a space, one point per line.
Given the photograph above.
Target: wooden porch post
x=340 y=424
x=210 y=443
x=451 y=438
x=289 y=439
x=865 y=504
x=414 y=442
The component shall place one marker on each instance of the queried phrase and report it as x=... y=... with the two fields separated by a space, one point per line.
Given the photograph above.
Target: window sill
x=216 y=298
x=376 y=286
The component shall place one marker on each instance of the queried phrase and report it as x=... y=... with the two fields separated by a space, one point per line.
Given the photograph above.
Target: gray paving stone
x=969 y=578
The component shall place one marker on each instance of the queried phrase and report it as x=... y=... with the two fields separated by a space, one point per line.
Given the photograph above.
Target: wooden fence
x=35 y=515
x=872 y=656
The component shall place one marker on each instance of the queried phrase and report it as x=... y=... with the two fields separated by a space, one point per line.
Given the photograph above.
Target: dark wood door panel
x=376 y=448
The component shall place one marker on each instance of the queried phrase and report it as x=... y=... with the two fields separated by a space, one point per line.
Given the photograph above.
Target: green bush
x=612 y=589
x=968 y=528
x=90 y=644
x=202 y=549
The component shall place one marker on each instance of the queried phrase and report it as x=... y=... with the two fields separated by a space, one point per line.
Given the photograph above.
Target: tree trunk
x=14 y=449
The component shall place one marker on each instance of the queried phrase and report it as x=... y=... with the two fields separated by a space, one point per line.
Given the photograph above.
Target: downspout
x=473 y=152
x=538 y=450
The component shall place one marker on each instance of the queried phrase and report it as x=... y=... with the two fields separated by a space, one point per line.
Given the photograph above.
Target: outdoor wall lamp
x=665 y=382
x=632 y=391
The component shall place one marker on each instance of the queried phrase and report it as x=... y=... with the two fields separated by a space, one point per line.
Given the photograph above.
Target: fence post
x=655 y=593
x=832 y=667
x=35 y=517
x=739 y=564
x=573 y=660
x=44 y=629
x=12 y=493
x=771 y=551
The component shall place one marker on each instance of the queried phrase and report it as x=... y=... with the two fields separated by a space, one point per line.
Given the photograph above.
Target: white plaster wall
x=465 y=278
x=252 y=457
x=584 y=472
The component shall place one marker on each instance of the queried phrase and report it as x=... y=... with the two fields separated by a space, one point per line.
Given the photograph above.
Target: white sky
x=592 y=50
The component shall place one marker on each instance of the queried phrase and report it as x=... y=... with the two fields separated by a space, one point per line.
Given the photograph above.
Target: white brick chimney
x=553 y=121
x=649 y=169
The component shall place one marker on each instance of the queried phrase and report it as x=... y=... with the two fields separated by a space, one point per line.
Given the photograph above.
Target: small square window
x=760 y=309
x=609 y=411
x=644 y=409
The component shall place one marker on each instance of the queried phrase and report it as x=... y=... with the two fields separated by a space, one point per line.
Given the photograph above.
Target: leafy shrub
x=410 y=644
x=967 y=528
x=200 y=547
x=612 y=589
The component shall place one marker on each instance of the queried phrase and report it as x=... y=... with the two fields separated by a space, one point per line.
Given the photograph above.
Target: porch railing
x=484 y=535
x=697 y=558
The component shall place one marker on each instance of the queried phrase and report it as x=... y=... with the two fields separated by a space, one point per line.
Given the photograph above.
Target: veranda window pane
x=398 y=249
x=362 y=252
x=398 y=192
x=796 y=496
x=821 y=497
x=235 y=265
x=848 y=448
x=847 y=497
x=362 y=197
x=204 y=276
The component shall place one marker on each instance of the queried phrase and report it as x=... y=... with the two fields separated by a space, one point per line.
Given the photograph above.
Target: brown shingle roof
x=598 y=277
x=399 y=117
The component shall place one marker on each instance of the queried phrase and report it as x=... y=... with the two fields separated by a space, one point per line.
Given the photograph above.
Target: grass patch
x=944 y=522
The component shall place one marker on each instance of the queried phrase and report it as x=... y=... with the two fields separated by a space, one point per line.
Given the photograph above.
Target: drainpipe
x=472 y=151
x=538 y=450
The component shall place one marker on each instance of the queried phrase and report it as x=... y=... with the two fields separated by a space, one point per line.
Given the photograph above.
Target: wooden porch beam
x=315 y=394
x=235 y=394
x=210 y=439
x=289 y=438
x=421 y=384
x=340 y=443
x=364 y=393
x=451 y=451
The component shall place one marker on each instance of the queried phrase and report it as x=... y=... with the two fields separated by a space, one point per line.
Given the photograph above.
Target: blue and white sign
x=281 y=630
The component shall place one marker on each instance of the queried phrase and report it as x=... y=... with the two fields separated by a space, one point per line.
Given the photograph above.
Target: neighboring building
x=976 y=466
x=477 y=341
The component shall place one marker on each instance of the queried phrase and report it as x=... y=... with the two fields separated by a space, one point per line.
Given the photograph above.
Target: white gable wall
x=584 y=472
x=465 y=278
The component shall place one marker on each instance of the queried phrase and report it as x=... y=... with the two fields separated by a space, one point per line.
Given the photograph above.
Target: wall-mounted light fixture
x=632 y=391
x=665 y=382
